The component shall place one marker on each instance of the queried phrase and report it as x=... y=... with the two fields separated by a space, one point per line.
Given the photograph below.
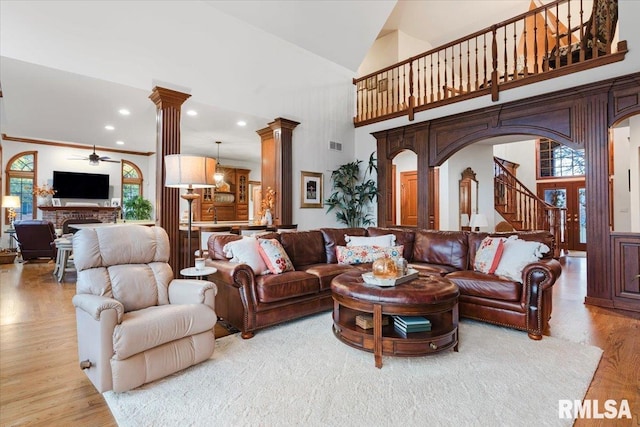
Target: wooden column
x=277 y=163
x=168 y=104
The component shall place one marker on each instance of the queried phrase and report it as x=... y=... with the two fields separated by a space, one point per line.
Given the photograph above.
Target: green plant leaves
x=352 y=194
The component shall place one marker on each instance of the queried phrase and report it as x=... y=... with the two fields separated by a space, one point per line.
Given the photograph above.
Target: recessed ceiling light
x=192 y=113
x=120 y=142
x=109 y=127
x=124 y=112
x=241 y=123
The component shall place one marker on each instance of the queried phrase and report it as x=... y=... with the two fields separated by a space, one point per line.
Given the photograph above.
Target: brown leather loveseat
x=250 y=302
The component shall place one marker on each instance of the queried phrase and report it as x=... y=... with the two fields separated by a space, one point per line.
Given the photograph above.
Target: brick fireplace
x=59 y=214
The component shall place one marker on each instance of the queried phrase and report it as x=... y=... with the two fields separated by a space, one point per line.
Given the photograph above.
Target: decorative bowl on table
x=371 y=279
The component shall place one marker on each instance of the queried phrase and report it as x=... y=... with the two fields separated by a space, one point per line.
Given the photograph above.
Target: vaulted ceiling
x=67 y=67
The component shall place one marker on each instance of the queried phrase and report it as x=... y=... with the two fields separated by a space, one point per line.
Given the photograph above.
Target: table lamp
x=11 y=202
x=189 y=171
x=477 y=221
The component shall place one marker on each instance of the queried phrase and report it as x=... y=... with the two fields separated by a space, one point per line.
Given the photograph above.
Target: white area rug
x=299 y=374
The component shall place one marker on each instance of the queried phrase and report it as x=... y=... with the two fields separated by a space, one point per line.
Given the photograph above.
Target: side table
x=198 y=273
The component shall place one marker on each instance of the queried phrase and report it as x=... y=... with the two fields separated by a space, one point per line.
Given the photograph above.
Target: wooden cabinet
x=229 y=202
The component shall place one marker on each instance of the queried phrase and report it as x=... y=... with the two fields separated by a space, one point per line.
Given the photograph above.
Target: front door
x=569 y=195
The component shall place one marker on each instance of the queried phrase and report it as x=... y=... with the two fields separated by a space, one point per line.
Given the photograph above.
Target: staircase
x=523 y=209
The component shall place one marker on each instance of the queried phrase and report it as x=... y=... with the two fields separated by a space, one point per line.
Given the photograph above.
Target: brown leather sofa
x=250 y=302
x=36 y=239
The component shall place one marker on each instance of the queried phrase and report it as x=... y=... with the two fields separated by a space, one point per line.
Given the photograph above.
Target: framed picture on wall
x=311 y=190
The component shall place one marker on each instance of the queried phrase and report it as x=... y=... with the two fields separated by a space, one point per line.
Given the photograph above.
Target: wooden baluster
x=386 y=94
x=505 y=77
x=445 y=88
x=515 y=52
x=424 y=76
x=397 y=90
x=393 y=89
x=418 y=80
x=484 y=37
x=468 y=68
x=494 y=64
x=438 y=87
x=535 y=45
x=525 y=50
x=412 y=100
x=404 y=86
x=545 y=64
x=558 y=38
x=431 y=75
x=460 y=68
x=582 y=45
x=569 y=55
x=358 y=102
x=476 y=86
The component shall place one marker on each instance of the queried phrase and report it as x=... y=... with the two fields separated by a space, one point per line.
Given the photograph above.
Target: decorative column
x=168 y=104
x=277 y=162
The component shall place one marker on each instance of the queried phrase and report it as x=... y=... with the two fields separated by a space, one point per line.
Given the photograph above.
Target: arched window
x=131 y=181
x=21 y=175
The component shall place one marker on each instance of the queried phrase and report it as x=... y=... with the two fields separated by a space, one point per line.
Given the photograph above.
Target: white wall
x=52 y=158
x=478 y=157
x=622 y=162
x=634 y=160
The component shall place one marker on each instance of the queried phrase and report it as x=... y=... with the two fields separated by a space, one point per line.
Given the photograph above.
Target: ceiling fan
x=95 y=159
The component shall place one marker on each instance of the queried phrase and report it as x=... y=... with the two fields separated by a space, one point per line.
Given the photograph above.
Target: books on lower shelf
x=365 y=321
x=408 y=324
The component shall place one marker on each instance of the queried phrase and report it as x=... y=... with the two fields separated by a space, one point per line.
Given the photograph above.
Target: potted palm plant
x=137 y=208
x=353 y=193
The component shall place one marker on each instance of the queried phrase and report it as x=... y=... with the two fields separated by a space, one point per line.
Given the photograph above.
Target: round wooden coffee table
x=433 y=297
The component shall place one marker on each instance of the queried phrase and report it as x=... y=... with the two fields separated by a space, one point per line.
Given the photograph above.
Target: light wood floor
x=41 y=383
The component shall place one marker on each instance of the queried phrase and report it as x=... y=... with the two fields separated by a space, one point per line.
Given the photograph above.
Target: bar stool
x=250 y=230
x=64 y=258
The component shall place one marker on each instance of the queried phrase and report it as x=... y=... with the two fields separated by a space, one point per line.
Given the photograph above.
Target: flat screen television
x=76 y=185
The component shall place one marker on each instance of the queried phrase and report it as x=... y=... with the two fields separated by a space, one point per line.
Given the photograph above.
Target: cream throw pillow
x=384 y=241
x=246 y=251
x=516 y=255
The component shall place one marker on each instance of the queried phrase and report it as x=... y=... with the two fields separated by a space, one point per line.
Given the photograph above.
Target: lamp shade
x=478 y=220
x=10 y=201
x=464 y=220
x=188 y=171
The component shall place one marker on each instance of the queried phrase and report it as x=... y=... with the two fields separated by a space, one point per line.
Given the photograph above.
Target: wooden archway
x=579 y=117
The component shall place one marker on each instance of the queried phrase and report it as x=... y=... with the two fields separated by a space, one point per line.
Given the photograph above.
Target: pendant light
x=218 y=176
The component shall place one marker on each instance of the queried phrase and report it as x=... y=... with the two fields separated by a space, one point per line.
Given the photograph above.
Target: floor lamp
x=11 y=202
x=190 y=172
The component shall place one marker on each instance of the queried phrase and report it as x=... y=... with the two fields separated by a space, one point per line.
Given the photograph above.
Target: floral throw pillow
x=364 y=254
x=275 y=256
x=489 y=254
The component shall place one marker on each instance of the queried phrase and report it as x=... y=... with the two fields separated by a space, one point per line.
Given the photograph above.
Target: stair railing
x=524 y=210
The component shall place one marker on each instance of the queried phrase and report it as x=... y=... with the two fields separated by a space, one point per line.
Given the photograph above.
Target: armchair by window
x=136 y=323
x=35 y=239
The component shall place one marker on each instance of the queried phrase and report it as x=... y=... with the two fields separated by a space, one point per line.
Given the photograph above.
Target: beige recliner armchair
x=136 y=323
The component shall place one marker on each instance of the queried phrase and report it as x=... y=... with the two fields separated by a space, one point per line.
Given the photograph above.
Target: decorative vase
x=268 y=217
x=384 y=268
x=45 y=200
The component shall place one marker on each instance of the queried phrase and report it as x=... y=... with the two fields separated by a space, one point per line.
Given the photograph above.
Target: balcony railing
x=531 y=47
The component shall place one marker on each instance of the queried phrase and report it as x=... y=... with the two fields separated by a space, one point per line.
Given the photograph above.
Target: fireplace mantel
x=59 y=214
